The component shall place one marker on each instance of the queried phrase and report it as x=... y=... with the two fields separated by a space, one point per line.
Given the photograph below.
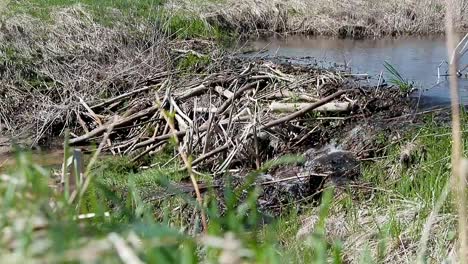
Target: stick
x=303 y=111
x=101 y=129
x=328 y=107
x=148 y=151
x=90 y=111
x=208 y=155
x=188 y=165
x=226 y=104
x=122 y=96
x=224 y=92
x=193 y=92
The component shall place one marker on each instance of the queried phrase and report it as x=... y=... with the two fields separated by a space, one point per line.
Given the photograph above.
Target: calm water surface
x=417 y=59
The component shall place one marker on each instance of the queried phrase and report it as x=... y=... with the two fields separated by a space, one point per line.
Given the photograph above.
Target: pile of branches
x=240 y=115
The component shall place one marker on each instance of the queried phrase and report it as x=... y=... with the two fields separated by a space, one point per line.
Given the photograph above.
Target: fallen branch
x=207 y=155
x=122 y=96
x=101 y=129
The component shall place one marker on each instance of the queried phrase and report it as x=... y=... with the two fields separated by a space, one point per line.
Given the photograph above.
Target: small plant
x=398 y=80
x=193 y=62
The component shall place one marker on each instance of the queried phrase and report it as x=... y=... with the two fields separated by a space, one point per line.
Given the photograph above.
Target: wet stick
x=458 y=178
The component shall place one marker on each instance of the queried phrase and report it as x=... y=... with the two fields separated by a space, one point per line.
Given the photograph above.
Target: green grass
x=102 y=9
x=397 y=79
x=192 y=63
x=179 y=24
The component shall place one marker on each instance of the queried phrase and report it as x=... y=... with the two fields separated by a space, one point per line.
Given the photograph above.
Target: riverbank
x=355 y=19
x=225 y=19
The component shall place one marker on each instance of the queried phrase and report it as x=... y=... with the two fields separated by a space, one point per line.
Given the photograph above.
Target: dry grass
x=357 y=18
x=47 y=67
x=389 y=234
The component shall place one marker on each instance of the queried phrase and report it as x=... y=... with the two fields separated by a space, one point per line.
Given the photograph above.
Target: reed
x=355 y=18
x=458 y=171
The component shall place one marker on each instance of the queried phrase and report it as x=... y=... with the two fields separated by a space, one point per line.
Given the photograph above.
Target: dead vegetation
x=357 y=18
x=48 y=70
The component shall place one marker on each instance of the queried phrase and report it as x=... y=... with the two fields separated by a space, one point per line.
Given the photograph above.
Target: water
x=417 y=59
x=49 y=158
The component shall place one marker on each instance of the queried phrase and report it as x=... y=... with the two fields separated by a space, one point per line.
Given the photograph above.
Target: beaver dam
x=138 y=143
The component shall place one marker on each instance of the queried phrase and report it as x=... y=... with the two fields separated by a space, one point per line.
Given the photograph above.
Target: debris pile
x=237 y=117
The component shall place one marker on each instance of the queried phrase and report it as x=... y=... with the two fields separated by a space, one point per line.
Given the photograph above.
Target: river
x=416 y=58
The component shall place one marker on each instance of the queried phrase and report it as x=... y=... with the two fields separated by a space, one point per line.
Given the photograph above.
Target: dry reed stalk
x=188 y=165
x=353 y=18
x=81 y=191
x=458 y=177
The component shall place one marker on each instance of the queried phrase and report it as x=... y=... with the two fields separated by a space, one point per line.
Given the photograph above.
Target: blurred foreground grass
x=379 y=219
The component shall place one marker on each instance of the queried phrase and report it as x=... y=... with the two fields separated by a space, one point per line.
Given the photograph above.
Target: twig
x=208 y=155
x=139 y=156
x=237 y=94
x=101 y=129
x=122 y=96
x=90 y=111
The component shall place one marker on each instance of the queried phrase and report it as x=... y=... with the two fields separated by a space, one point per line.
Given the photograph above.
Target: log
x=288 y=94
x=328 y=107
x=193 y=92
